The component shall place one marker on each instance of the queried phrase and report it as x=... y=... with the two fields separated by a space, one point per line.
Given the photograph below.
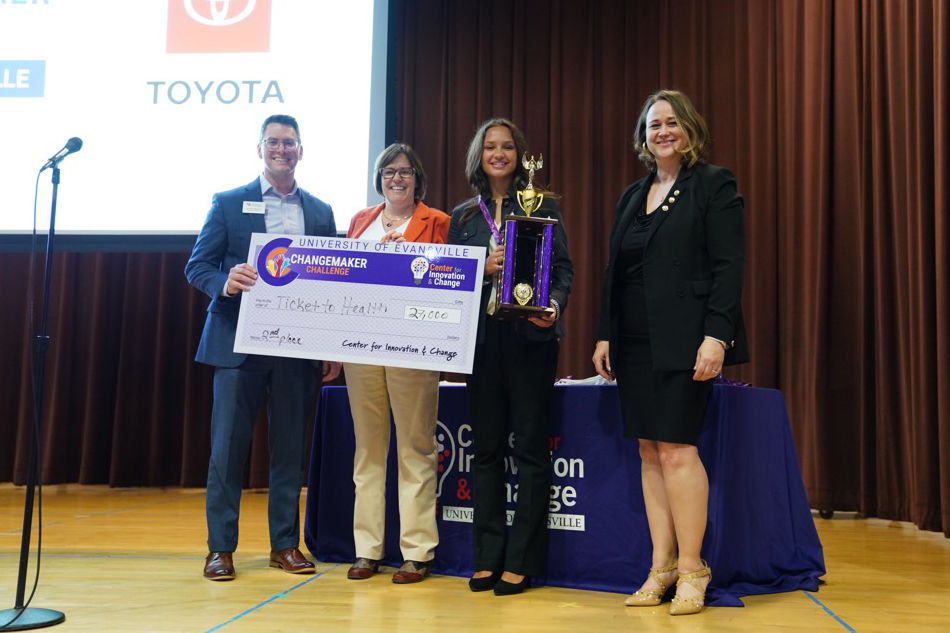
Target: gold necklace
x=394 y=220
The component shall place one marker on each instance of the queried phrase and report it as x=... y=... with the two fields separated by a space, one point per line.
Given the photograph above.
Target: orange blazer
x=426 y=224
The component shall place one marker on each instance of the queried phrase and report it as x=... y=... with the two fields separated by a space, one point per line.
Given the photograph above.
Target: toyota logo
x=218 y=11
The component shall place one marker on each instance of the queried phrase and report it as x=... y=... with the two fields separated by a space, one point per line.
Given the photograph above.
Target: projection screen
x=168 y=97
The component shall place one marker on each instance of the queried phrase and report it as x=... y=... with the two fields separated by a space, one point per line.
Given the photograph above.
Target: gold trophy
x=528 y=198
x=526 y=277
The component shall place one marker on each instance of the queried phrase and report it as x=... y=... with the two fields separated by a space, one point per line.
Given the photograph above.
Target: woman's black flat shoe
x=483 y=584
x=503 y=588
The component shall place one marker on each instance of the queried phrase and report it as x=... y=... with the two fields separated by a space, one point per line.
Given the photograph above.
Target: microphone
x=72 y=145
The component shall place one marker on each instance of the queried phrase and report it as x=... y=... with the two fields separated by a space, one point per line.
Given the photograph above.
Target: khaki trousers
x=413 y=395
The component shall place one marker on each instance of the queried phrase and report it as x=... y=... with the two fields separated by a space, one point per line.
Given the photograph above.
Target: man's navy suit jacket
x=223 y=243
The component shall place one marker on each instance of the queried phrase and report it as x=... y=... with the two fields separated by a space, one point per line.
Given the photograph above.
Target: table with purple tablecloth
x=760 y=536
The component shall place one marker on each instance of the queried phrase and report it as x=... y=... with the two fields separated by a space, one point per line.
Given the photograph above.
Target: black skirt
x=664 y=406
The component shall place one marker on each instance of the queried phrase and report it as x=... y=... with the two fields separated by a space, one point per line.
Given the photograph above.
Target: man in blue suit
x=271 y=203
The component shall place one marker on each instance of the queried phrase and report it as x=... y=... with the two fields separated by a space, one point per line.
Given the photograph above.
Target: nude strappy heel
x=652 y=597
x=687 y=606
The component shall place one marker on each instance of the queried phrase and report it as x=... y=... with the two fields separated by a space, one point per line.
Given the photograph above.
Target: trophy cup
x=526 y=276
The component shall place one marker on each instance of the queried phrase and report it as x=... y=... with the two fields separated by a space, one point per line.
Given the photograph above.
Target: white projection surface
x=168 y=97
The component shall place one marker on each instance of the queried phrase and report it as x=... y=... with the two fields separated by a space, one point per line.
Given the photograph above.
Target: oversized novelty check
x=403 y=305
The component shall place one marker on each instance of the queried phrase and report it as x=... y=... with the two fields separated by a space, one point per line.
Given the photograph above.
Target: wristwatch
x=725 y=345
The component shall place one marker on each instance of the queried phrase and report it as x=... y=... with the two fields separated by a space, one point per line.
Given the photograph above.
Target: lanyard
x=491 y=221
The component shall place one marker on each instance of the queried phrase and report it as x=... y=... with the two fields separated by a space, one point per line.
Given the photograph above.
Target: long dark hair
x=473 y=164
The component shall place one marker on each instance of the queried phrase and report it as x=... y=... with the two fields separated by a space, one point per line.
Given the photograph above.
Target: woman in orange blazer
x=413 y=394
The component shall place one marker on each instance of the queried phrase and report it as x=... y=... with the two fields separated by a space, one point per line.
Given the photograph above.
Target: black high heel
x=485 y=583
x=504 y=588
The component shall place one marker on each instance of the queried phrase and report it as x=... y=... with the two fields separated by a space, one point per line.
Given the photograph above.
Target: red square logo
x=218 y=26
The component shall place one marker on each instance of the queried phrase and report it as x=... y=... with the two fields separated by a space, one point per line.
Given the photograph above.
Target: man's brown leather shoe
x=219 y=566
x=411 y=571
x=362 y=569
x=291 y=561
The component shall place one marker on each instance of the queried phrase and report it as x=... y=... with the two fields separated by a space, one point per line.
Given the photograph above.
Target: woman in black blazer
x=670 y=320
x=514 y=370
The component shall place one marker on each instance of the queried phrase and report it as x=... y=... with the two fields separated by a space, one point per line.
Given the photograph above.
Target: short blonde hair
x=688 y=119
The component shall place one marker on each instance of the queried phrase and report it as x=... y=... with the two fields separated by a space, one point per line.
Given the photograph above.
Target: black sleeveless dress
x=665 y=406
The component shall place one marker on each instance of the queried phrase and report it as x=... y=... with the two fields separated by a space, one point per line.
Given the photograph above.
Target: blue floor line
x=269 y=600
x=829 y=611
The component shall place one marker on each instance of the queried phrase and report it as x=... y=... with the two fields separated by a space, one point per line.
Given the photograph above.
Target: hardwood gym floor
x=130 y=560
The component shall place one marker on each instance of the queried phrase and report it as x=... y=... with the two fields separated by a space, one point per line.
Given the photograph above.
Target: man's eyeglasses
x=275 y=143
x=388 y=173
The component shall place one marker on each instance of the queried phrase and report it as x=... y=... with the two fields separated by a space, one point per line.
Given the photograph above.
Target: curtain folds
x=835 y=117
x=125 y=403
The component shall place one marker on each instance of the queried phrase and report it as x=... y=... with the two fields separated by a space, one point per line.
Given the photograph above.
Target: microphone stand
x=21 y=618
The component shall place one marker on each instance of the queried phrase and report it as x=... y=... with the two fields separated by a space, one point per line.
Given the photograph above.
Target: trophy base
x=513 y=311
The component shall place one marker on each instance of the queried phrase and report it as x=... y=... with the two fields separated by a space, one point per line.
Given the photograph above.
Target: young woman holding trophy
x=516 y=350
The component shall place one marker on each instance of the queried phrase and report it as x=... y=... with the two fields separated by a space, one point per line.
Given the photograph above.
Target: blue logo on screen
x=22 y=78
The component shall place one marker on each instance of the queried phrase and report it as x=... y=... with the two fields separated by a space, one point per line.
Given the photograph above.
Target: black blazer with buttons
x=693 y=264
x=474 y=231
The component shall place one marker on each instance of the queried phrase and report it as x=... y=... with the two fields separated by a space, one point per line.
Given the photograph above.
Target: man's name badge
x=253 y=207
